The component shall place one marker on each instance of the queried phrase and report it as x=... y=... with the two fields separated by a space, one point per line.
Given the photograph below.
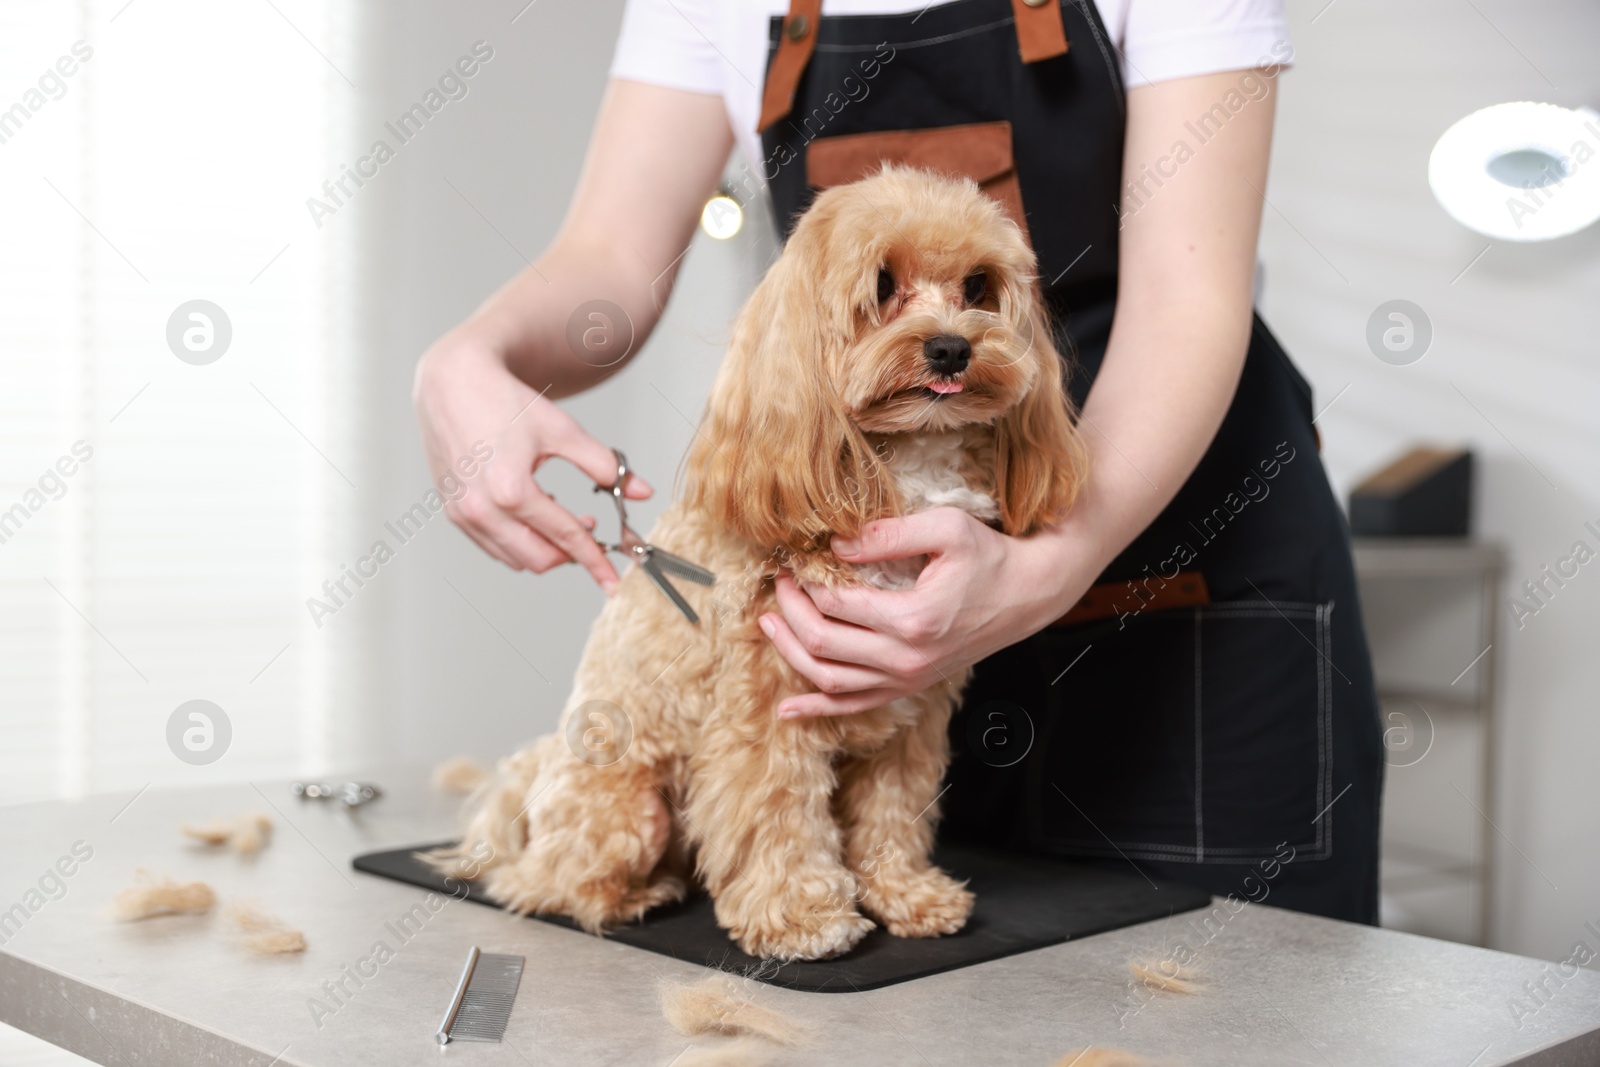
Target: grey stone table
x=1281 y=989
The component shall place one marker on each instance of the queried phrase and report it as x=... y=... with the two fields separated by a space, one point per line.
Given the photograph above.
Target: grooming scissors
x=652 y=560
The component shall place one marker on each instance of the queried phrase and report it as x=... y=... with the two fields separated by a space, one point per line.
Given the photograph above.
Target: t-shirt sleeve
x=1164 y=39
x=668 y=43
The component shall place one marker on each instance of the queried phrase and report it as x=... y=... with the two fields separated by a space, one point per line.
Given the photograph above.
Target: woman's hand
x=466 y=399
x=864 y=647
x=655 y=156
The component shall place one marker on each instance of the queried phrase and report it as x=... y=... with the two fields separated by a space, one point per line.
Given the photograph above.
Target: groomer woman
x=1174 y=678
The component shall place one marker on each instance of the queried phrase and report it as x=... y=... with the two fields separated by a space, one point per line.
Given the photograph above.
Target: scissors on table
x=656 y=563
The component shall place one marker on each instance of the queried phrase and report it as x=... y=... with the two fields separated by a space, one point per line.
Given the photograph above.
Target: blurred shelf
x=1422 y=557
x=1433 y=700
x=1431 y=607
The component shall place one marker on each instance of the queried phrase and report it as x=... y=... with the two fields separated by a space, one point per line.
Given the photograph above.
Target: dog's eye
x=885 y=284
x=975 y=287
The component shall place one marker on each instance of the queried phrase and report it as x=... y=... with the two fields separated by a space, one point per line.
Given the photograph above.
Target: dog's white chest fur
x=930 y=470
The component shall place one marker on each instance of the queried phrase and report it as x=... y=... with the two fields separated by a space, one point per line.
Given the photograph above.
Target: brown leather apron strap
x=1186 y=589
x=1040 y=34
x=799 y=37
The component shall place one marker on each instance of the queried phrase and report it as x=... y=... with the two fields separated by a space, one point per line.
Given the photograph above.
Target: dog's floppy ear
x=777 y=460
x=1042 y=458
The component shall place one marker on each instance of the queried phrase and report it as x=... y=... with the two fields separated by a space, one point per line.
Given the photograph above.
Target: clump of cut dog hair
x=266 y=934
x=276 y=942
x=147 y=898
x=716 y=1005
x=741 y=1052
x=459 y=775
x=245 y=833
x=1165 y=977
x=1102 y=1057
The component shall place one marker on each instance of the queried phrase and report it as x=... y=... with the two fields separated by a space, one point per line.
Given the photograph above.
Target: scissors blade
x=648 y=565
x=682 y=567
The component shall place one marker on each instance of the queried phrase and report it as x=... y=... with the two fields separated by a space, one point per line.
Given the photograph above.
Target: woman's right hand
x=655 y=156
x=466 y=398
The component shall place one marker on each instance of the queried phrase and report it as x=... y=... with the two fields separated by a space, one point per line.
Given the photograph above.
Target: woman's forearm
x=1148 y=420
x=1182 y=322
x=564 y=324
x=577 y=314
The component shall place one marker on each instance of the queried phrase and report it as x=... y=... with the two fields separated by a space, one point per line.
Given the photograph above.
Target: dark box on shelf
x=1425 y=493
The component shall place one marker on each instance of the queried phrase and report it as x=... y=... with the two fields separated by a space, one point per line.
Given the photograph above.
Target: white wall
x=1375 y=85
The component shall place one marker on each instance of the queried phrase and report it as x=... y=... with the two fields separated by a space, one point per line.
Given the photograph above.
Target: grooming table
x=1283 y=990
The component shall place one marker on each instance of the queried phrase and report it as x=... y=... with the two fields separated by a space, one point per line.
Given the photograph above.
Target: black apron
x=1234 y=745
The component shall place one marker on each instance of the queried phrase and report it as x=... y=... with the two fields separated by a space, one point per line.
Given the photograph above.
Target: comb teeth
x=483 y=1008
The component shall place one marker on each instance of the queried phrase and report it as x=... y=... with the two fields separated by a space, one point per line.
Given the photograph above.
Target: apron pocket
x=977 y=150
x=1198 y=735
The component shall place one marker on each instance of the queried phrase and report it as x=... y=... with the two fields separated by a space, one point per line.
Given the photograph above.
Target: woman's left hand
x=864 y=647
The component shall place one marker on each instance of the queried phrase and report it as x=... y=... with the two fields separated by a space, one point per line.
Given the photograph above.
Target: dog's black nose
x=946 y=353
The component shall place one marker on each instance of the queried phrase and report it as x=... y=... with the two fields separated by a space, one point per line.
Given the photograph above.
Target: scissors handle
x=617 y=487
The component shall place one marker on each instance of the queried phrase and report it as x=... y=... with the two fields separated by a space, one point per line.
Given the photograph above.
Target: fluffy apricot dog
x=894 y=359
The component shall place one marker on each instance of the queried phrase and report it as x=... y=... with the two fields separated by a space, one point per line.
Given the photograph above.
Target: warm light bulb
x=722 y=217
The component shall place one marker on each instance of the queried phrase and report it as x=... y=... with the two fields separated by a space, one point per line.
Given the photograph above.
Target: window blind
x=162 y=513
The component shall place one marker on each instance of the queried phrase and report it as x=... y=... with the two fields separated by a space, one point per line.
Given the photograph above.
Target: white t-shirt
x=720 y=46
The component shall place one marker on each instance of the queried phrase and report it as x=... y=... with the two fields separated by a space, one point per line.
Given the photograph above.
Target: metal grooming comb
x=482 y=1003
x=656 y=563
x=354 y=794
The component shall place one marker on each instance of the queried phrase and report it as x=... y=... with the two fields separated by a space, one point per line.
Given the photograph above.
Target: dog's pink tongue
x=945 y=387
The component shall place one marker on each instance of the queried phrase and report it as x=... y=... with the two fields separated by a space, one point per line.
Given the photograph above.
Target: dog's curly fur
x=821 y=420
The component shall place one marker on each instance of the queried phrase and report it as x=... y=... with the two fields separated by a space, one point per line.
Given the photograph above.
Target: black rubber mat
x=1023 y=903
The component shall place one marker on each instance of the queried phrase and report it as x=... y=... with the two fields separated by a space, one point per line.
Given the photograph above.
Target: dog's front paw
x=803 y=919
x=926 y=903
x=597 y=905
x=817 y=938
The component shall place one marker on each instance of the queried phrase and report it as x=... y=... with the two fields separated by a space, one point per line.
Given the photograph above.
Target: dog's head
x=902 y=303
